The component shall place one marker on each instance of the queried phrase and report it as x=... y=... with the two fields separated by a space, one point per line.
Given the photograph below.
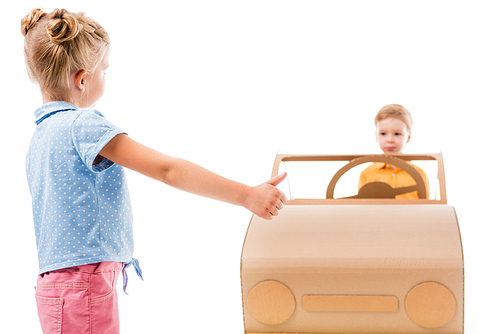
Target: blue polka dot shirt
x=81 y=210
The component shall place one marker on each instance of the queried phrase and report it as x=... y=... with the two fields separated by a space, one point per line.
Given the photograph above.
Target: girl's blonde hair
x=59 y=44
x=396 y=111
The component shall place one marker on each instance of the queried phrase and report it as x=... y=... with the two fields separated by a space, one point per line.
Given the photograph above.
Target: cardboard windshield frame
x=361 y=158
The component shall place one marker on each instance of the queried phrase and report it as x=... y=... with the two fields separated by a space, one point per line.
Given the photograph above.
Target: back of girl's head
x=395 y=111
x=58 y=44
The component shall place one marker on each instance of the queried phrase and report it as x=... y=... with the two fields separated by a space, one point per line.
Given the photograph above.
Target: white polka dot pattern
x=81 y=211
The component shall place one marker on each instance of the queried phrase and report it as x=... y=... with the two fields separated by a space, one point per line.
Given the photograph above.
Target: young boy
x=393 y=131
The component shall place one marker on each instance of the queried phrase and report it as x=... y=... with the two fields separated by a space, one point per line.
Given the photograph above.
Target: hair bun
x=31 y=19
x=63 y=26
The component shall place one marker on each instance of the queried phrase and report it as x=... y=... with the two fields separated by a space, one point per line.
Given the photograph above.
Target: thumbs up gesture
x=265 y=200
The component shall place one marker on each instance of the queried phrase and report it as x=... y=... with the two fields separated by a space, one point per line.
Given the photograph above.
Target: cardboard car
x=358 y=264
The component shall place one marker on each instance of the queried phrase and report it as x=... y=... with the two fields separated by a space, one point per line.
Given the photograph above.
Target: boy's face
x=392 y=135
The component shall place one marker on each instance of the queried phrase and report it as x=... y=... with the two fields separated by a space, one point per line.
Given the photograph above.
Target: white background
x=227 y=84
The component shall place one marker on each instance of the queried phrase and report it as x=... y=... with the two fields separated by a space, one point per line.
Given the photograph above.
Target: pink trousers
x=79 y=300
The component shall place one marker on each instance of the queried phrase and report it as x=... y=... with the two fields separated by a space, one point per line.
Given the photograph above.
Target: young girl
x=74 y=166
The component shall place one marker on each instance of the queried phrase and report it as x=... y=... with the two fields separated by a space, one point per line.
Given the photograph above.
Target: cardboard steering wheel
x=379 y=189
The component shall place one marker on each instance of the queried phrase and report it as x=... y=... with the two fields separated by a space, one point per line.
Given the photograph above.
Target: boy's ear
x=81 y=80
x=409 y=136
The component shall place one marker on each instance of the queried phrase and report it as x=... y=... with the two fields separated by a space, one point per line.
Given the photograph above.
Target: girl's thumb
x=277 y=179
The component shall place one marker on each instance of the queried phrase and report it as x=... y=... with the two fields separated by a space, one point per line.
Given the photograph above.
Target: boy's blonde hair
x=396 y=111
x=57 y=45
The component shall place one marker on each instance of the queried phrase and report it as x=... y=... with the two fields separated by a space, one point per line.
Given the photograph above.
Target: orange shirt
x=394 y=177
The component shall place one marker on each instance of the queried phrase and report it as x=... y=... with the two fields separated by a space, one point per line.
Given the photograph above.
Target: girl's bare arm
x=264 y=200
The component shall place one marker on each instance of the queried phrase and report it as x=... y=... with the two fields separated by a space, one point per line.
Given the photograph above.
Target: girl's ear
x=80 y=80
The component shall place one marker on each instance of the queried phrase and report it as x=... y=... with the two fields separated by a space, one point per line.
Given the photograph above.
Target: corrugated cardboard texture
x=354 y=269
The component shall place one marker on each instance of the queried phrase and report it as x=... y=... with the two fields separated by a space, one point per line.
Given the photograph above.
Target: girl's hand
x=265 y=200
